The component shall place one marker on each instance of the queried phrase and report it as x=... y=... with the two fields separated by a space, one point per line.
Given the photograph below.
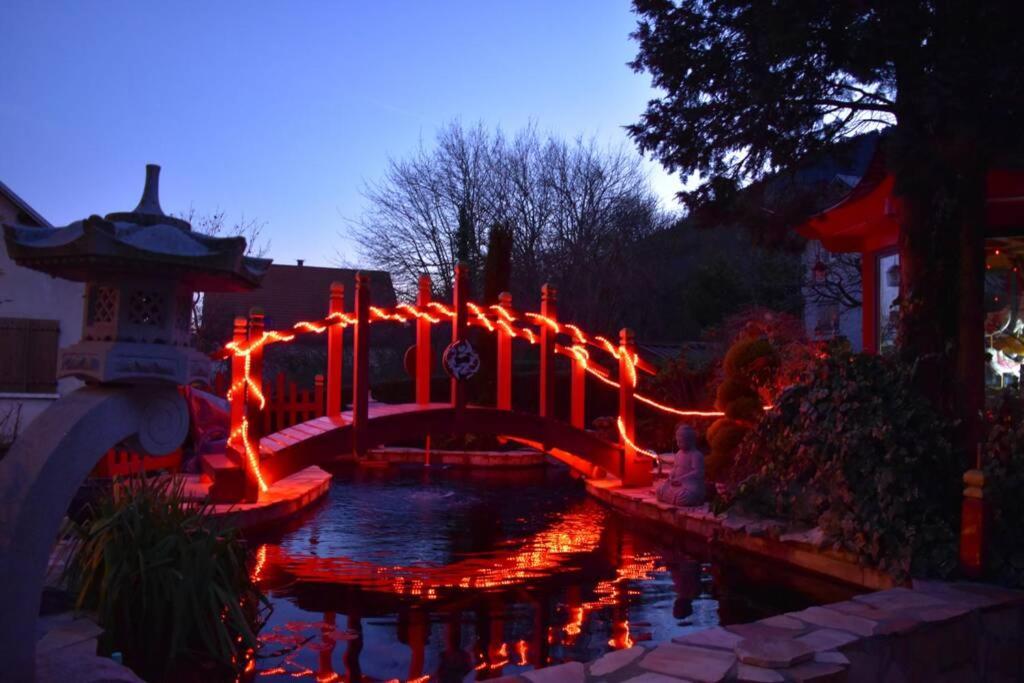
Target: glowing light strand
x=632 y=444
x=403 y=313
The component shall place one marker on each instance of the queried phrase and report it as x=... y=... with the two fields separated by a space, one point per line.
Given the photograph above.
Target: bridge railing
x=552 y=337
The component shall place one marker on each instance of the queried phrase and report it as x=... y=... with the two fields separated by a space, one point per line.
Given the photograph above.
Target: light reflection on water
x=459 y=576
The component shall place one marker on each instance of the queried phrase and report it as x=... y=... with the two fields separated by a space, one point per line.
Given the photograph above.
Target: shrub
x=1004 y=482
x=169 y=586
x=748 y=364
x=857 y=451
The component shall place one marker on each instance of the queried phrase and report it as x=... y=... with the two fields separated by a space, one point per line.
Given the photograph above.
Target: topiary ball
x=748 y=357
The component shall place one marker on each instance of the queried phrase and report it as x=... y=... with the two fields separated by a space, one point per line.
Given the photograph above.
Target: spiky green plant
x=167 y=581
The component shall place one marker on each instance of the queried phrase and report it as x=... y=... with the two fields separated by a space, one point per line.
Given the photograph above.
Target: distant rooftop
x=289 y=294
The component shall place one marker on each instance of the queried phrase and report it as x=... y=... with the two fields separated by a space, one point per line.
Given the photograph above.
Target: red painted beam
x=548 y=337
x=460 y=295
x=424 y=360
x=335 y=350
x=361 y=365
x=504 y=400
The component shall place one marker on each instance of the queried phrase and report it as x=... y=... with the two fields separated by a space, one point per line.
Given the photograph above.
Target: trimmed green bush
x=167 y=582
x=857 y=451
x=748 y=363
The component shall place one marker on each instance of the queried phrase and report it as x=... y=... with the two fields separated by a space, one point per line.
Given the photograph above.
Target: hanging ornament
x=892 y=275
x=460 y=360
x=819 y=271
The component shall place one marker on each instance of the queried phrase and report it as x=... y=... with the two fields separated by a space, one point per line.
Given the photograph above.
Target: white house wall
x=27 y=293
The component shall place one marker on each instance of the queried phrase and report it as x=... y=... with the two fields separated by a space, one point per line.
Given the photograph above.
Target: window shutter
x=28 y=355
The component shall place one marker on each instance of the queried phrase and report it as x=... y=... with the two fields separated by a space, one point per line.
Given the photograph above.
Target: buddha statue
x=685 y=484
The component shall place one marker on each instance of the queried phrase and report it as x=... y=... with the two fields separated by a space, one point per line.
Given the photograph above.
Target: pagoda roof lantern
x=142 y=242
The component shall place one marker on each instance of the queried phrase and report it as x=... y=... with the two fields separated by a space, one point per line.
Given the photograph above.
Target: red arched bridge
x=254 y=461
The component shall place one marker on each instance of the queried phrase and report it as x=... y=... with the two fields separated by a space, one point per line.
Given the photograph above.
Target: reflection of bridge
x=253 y=463
x=542 y=572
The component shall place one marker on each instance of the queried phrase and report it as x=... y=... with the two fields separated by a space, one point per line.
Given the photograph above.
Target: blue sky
x=281 y=111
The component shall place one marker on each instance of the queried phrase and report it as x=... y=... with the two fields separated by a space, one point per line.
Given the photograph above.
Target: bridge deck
x=325 y=438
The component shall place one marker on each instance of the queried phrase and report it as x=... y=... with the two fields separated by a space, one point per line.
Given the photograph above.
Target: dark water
x=454 y=575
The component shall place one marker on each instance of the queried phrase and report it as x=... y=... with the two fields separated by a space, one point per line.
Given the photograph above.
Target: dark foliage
x=750 y=87
x=1003 y=465
x=168 y=584
x=857 y=451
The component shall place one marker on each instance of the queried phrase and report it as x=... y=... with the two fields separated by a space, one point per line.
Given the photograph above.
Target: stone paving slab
x=286 y=498
x=886 y=636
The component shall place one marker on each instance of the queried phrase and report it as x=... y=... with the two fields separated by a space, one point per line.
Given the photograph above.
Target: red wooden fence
x=288 y=405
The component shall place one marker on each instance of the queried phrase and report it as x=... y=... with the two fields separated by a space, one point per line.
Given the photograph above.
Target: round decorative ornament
x=460 y=360
x=409 y=361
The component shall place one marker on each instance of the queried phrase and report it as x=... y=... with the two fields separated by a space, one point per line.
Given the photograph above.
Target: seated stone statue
x=685 y=485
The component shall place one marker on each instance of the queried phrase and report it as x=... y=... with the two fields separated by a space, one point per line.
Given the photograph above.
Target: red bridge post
x=636 y=471
x=253 y=410
x=423 y=351
x=238 y=397
x=578 y=407
x=361 y=366
x=335 y=350
x=504 y=401
x=460 y=294
x=548 y=309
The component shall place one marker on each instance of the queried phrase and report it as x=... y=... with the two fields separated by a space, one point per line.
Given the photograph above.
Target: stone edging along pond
x=936 y=633
x=766 y=538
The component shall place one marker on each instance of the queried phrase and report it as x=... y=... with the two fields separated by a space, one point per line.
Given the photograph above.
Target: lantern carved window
x=145 y=308
x=102 y=304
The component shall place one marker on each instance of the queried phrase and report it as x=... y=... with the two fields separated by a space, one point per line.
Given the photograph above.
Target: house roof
x=144 y=241
x=289 y=294
x=30 y=213
x=869 y=217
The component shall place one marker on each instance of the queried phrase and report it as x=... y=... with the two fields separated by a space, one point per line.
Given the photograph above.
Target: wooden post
x=361 y=366
x=460 y=294
x=335 y=350
x=548 y=309
x=636 y=468
x=318 y=397
x=504 y=401
x=238 y=397
x=578 y=408
x=423 y=350
x=252 y=403
x=973 y=523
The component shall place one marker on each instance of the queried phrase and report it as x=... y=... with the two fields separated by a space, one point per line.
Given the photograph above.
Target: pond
x=457 y=575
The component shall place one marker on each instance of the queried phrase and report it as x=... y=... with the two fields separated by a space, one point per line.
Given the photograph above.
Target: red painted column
x=237 y=372
x=869 y=301
x=361 y=366
x=254 y=411
x=318 y=396
x=335 y=350
x=578 y=409
x=548 y=309
x=636 y=469
x=973 y=524
x=504 y=399
x=423 y=350
x=325 y=670
x=460 y=294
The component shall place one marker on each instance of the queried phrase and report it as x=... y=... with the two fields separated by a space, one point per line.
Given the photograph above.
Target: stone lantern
x=141 y=270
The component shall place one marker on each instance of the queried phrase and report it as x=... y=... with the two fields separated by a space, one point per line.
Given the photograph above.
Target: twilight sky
x=281 y=111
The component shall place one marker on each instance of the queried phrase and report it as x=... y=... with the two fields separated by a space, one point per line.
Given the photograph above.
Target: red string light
x=632 y=444
x=493 y=318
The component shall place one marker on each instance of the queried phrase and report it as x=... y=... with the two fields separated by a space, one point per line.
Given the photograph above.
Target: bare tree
x=837 y=282
x=573 y=209
x=216 y=225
